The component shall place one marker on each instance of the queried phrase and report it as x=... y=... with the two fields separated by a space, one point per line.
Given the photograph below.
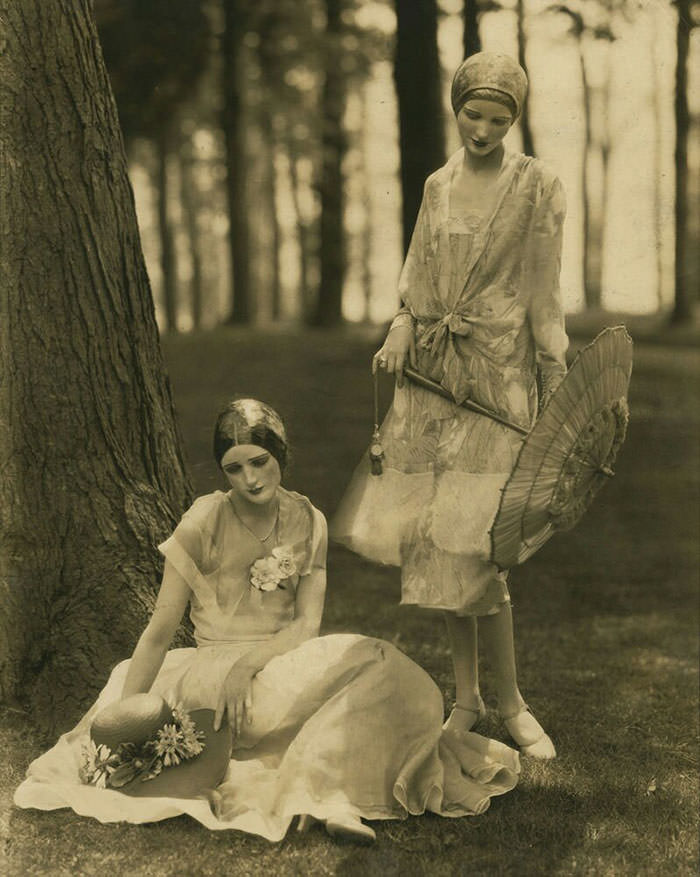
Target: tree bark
x=93 y=475
x=418 y=88
x=329 y=310
x=235 y=17
x=682 y=306
x=471 y=39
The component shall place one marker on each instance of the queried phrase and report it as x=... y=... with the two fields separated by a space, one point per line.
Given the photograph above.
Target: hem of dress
x=463 y=611
x=347 y=542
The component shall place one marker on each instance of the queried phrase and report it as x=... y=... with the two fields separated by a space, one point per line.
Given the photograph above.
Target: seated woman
x=336 y=728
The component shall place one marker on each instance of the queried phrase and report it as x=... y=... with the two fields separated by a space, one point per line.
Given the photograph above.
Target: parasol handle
x=434 y=387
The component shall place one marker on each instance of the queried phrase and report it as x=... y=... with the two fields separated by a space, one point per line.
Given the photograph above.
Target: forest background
x=278 y=149
x=234 y=221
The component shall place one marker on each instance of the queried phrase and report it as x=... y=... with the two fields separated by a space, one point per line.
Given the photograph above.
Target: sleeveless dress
x=481 y=291
x=343 y=723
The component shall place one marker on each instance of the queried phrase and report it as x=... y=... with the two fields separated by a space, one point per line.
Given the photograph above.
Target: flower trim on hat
x=176 y=741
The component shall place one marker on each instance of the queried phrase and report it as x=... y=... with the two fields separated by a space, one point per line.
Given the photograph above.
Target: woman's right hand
x=400 y=346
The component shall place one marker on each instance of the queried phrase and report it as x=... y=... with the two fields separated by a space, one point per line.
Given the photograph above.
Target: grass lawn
x=607 y=642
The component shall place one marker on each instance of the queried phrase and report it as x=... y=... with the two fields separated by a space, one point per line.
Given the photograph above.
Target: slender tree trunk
x=93 y=476
x=276 y=282
x=328 y=310
x=605 y=148
x=683 y=305
x=235 y=17
x=525 y=129
x=366 y=194
x=591 y=293
x=168 y=266
x=264 y=225
x=302 y=233
x=471 y=39
x=658 y=178
x=190 y=209
x=419 y=91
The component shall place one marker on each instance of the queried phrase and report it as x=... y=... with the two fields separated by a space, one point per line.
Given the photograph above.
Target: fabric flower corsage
x=267 y=573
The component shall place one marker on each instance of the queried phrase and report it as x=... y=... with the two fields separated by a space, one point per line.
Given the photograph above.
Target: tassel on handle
x=376 y=451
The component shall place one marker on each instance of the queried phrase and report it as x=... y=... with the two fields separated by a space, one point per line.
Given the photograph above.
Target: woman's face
x=253 y=473
x=482 y=125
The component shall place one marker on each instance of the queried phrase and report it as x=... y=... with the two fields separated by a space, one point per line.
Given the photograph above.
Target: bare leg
x=497 y=634
x=497 y=631
x=462 y=634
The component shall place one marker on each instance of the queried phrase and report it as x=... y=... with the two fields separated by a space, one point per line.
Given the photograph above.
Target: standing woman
x=481 y=315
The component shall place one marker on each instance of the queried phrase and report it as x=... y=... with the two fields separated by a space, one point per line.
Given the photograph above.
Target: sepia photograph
x=350 y=438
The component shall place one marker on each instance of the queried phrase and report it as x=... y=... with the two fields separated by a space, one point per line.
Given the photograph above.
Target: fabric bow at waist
x=438 y=331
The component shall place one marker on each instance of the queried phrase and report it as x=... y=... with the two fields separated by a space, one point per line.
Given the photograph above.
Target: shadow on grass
x=606 y=635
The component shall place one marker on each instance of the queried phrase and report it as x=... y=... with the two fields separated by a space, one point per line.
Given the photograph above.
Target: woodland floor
x=607 y=639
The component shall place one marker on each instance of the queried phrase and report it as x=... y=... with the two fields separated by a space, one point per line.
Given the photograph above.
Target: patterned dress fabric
x=482 y=291
x=341 y=724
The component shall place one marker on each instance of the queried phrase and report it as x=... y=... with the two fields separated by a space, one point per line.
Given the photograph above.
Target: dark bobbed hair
x=249 y=422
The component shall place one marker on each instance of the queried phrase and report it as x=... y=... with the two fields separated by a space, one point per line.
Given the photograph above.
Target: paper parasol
x=569 y=453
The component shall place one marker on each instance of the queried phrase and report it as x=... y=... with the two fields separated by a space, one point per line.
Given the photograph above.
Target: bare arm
x=155 y=640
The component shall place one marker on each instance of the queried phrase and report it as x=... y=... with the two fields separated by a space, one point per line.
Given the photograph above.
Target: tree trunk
x=419 y=91
x=329 y=305
x=525 y=129
x=190 y=210
x=168 y=267
x=659 y=183
x=93 y=476
x=470 y=35
x=303 y=233
x=591 y=293
x=682 y=307
x=235 y=16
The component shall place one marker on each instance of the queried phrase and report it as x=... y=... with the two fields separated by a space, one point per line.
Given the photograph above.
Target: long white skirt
x=343 y=723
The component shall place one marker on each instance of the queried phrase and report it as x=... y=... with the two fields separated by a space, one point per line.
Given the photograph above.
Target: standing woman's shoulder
x=545 y=183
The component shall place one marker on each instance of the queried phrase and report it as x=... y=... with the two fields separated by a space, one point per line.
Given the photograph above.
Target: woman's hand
x=399 y=346
x=236 y=698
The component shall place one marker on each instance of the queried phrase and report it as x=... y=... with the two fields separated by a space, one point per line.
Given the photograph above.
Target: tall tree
x=471 y=39
x=328 y=310
x=525 y=127
x=156 y=52
x=596 y=139
x=683 y=301
x=93 y=475
x=419 y=91
x=236 y=16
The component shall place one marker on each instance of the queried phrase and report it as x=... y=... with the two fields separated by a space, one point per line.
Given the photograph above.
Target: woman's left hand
x=236 y=699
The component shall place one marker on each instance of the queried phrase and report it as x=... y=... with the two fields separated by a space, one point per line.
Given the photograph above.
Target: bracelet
x=401 y=321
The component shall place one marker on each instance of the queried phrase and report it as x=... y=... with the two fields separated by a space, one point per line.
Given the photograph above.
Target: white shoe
x=530 y=736
x=350 y=828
